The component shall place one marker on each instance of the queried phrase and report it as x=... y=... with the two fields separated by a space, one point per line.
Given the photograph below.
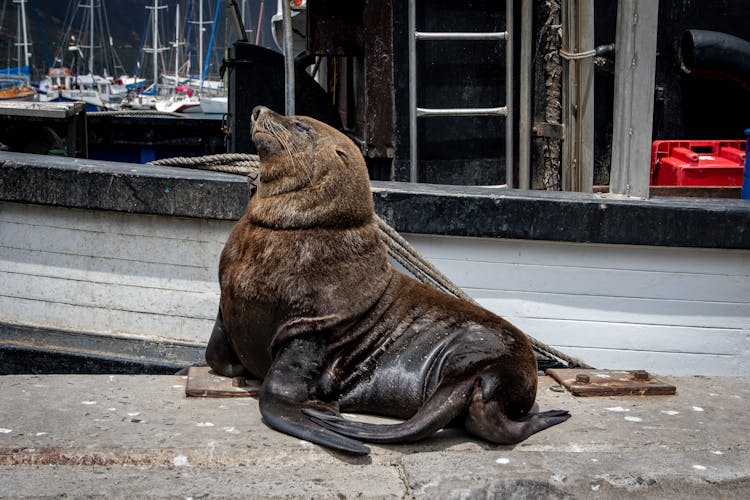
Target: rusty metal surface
x=203 y=382
x=581 y=382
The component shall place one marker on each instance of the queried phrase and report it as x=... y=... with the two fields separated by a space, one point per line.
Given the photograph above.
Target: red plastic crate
x=697 y=163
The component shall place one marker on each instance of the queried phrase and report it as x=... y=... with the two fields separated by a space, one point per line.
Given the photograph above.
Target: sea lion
x=311 y=306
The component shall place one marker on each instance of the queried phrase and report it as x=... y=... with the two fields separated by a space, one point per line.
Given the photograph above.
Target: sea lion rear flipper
x=285 y=394
x=486 y=420
x=445 y=404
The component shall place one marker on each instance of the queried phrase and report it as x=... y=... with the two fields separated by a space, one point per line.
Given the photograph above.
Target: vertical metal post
x=509 y=93
x=578 y=96
x=414 y=171
x=585 y=178
x=524 y=108
x=635 y=60
x=288 y=59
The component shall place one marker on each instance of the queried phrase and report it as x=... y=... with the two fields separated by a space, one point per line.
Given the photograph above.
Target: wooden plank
x=690 y=286
x=110 y=271
x=585 y=255
x=163 y=302
x=203 y=382
x=633 y=336
x=614 y=309
x=582 y=382
x=635 y=66
x=56 y=110
x=101 y=221
x=663 y=363
x=98 y=320
x=118 y=246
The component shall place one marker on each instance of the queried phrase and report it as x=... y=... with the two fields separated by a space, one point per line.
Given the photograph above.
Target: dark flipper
x=220 y=354
x=286 y=416
x=486 y=420
x=445 y=404
x=285 y=393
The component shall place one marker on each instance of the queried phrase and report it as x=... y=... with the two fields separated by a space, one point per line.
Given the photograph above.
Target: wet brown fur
x=306 y=259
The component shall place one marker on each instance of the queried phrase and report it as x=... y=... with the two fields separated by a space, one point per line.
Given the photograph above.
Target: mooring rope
x=230 y=163
x=398 y=248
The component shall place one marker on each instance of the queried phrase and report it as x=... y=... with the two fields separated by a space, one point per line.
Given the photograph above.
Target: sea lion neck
x=312 y=175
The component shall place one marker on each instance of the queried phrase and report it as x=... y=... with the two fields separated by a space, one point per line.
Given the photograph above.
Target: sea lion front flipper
x=445 y=404
x=220 y=354
x=285 y=394
x=286 y=416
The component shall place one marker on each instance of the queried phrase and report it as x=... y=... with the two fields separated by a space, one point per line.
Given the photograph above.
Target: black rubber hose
x=714 y=54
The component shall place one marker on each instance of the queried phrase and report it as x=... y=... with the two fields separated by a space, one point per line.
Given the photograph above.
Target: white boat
x=144 y=267
x=97 y=92
x=179 y=103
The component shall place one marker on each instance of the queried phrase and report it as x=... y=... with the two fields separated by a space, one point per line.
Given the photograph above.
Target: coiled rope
x=398 y=248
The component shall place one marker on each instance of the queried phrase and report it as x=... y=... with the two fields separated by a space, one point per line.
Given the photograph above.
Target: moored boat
x=17 y=90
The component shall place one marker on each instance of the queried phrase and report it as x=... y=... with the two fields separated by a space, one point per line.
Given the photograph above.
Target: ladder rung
x=502 y=111
x=495 y=35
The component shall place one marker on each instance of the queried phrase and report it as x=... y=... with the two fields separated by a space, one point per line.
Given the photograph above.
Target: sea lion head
x=311 y=175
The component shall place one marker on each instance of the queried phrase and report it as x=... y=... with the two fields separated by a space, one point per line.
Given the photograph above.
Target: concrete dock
x=129 y=436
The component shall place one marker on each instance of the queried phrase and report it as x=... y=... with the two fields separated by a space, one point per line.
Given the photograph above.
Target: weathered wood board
x=204 y=382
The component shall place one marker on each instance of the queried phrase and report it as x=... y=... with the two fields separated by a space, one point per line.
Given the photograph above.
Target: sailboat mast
x=18 y=43
x=155 y=49
x=177 y=47
x=91 y=37
x=22 y=8
x=156 y=41
x=200 y=39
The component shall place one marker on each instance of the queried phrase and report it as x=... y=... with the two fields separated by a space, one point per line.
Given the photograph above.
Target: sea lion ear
x=342 y=153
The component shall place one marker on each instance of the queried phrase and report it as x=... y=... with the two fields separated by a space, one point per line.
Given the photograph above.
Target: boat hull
x=668 y=310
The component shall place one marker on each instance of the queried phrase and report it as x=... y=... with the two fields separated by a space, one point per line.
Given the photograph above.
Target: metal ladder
x=416 y=112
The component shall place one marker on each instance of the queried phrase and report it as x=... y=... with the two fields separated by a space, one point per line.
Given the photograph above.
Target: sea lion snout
x=257 y=110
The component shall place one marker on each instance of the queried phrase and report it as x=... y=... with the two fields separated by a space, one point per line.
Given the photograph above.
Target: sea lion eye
x=300 y=127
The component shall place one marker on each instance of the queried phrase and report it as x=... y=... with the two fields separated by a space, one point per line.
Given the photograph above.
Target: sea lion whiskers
x=283 y=135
